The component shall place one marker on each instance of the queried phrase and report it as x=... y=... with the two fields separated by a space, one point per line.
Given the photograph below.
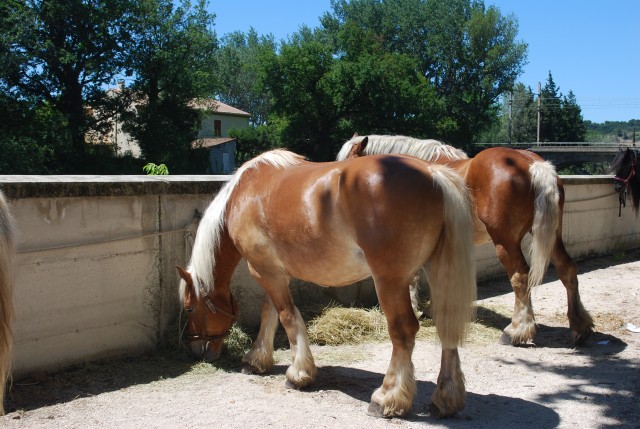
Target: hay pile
x=343 y=326
x=338 y=325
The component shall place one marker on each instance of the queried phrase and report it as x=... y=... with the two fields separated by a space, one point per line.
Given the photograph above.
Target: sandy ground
x=548 y=385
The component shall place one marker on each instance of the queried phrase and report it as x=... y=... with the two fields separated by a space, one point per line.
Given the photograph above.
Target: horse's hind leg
x=580 y=321
x=450 y=394
x=260 y=358
x=395 y=396
x=522 y=327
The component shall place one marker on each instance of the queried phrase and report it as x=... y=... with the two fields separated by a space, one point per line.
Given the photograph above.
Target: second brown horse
x=515 y=192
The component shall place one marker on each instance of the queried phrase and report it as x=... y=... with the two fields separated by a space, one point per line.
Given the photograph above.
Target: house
x=213 y=138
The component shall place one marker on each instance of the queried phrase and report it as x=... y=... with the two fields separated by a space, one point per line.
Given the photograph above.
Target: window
x=217 y=127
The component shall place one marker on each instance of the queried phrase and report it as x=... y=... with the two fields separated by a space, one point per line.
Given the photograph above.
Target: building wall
x=222 y=158
x=95 y=268
x=228 y=122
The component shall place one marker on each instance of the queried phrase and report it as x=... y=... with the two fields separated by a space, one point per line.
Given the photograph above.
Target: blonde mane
x=202 y=264
x=428 y=150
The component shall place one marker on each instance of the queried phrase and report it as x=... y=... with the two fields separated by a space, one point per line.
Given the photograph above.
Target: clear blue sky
x=590 y=47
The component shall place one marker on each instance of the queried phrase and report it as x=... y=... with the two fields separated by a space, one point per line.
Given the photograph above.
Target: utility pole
x=538 y=113
x=510 y=107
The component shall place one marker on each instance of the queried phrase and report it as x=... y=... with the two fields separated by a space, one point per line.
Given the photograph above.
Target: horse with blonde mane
x=515 y=192
x=334 y=224
x=6 y=294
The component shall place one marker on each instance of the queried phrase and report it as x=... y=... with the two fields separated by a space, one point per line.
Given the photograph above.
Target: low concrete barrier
x=95 y=274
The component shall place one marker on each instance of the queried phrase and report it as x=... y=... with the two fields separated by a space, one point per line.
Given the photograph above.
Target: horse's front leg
x=260 y=358
x=302 y=371
x=395 y=396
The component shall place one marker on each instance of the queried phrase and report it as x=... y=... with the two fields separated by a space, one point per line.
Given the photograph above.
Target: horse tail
x=451 y=271
x=546 y=218
x=6 y=294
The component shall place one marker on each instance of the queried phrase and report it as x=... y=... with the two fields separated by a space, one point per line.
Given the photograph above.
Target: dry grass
x=347 y=326
x=338 y=325
x=607 y=323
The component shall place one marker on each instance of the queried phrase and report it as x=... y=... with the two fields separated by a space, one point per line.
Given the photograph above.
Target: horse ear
x=184 y=274
x=354 y=135
x=358 y=148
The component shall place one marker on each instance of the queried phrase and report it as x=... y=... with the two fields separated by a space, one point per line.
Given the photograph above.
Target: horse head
x=624 y=168
x=209 y=318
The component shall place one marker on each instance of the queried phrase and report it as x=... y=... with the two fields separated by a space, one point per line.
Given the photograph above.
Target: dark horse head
x=626 y=179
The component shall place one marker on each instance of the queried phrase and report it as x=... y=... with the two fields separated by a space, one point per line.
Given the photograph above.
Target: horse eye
x=188 y=309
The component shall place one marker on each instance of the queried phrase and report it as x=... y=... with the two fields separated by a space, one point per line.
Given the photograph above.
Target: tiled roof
x=210 y=142
x=219 y=107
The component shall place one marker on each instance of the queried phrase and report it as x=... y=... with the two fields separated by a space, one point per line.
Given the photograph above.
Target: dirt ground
x=548 y=385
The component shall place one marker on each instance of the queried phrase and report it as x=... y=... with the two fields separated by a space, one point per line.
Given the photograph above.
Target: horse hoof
x=579 y=339
x=375 y=410
x=505 y=339
x=248 y=370
x=435 y=412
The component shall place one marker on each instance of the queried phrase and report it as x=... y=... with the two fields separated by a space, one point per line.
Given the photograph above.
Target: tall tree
x=298 y=83
x=62 y=54
x=524 y=115
x=172 y=57
x=468 y=52
x=560 y=117
x=550 y=111
x=242 y=63
x=574 y=127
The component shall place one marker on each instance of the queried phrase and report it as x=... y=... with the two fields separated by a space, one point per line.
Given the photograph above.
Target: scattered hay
x=608 y=322
x=237 y=343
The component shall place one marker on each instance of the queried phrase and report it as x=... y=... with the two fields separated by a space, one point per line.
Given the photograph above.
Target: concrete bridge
x=567 y=154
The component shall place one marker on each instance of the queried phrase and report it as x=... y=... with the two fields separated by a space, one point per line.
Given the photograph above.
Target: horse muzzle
x=205 y=350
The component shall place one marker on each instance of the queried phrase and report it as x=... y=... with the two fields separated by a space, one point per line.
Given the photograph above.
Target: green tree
x=62 y=54
x=466 y=51
x=28 y=137
x=298 y=83
x=172 y=58
x=550 y=111
x=560 y=117
x=574 y=128
x=242 y=63
x=524 y=115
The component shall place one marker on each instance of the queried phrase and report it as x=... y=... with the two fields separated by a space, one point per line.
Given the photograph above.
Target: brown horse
x=6 y=294
x=515 y=192
x=333 y=224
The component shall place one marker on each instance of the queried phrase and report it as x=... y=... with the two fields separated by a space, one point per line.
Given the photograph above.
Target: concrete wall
x=95 y=274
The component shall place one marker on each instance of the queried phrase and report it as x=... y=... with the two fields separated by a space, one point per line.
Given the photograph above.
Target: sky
x=590 y=47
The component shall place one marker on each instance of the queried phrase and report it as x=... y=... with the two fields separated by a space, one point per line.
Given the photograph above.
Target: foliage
x=613 y=131
x=467 y=54
x=253 y=141
x=155 y=170
x=426 y=68
x=560 y=117
x=62 y=54
x=241 y=61
x=172 y=56
x=29 y=137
